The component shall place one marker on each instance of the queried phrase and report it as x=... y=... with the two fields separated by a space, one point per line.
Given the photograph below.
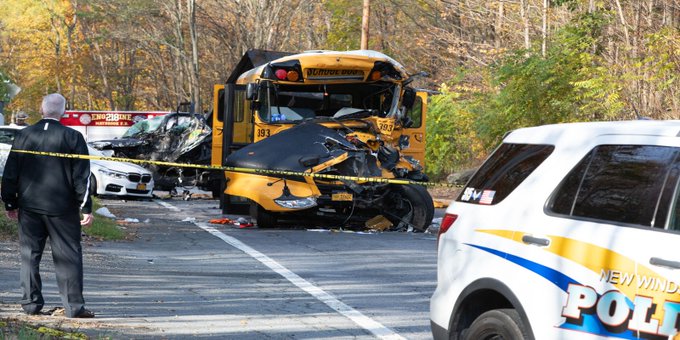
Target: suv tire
x=497 y=324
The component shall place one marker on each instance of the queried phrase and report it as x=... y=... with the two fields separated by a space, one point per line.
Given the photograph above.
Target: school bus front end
x=337 y=113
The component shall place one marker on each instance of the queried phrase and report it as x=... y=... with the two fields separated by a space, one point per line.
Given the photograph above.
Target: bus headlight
x=293 y=202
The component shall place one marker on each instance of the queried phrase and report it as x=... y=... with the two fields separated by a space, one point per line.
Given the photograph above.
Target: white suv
x=567 y=231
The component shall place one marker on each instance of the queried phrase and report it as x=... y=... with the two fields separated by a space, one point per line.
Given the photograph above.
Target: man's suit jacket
x=43 y=184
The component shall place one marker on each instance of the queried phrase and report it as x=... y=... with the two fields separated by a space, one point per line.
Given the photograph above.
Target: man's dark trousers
x=64 y=234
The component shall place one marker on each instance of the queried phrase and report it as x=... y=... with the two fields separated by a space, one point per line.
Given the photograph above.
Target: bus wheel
x=264 y=218
x=497 y=324
x=409 y=205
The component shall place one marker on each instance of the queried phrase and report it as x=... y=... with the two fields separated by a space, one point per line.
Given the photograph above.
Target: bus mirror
x=251 y=91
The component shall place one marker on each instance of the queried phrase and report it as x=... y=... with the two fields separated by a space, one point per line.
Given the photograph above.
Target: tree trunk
x=71 y=20
x=195 y=87
x=180 y=66
x=623 y=23
x=499 y=24
x=544 y=27
x=365 y=24
x=523 y=10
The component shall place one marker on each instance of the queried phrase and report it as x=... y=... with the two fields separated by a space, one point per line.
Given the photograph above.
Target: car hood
x=108 y=144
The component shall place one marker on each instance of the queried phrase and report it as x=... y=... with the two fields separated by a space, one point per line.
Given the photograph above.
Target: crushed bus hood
x=304 y=147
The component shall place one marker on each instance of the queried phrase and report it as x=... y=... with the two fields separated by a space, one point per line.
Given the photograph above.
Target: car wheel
x=93 y=185
x=264 y=218
x=409 y=205
x=497 y=324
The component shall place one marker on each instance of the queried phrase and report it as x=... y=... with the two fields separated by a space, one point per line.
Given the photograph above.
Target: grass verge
x=15 y=329
x=103 y=228
x=8 y=228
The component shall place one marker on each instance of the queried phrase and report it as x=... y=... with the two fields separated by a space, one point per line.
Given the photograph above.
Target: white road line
x=168 y=205
x=360 y=319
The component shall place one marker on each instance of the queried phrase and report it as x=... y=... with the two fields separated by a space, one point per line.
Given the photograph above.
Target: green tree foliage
x=345 y=22
x=655 y=76
x=4 y=90
x=452 y=143
x=569 y=84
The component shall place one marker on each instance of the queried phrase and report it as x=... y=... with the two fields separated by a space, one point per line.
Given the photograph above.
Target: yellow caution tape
x=244 y=170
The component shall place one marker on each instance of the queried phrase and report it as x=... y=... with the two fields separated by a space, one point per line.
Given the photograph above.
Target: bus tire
x=264 y=218
x=410 y=204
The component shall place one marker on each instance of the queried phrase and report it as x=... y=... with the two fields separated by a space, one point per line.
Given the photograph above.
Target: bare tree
x=195 y=76
x=544 y=26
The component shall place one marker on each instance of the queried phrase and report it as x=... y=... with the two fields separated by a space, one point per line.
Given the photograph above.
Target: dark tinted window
x=220 y=105
x=621 y=183
x=507 y=167
x=416 y=113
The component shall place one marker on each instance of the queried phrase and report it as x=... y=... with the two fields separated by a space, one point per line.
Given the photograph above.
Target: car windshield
x=291 y=103
x=144 y=126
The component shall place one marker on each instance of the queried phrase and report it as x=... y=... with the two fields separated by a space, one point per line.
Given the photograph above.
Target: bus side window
x=416 y=113
x=220 y=106
x=239 y=106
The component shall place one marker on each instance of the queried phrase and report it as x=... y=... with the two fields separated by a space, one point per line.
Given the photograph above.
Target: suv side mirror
x=251 y=91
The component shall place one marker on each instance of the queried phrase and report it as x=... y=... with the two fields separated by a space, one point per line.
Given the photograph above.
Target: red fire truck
x=99 y=125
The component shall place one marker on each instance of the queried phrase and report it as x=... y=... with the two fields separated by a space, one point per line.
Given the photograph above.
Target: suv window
x=621 y=183
x=505 y=169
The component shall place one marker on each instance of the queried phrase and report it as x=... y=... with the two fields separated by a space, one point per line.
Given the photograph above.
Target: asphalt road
x=182 y=277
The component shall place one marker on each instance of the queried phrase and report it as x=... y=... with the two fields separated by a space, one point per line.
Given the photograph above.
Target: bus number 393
x=262 y=133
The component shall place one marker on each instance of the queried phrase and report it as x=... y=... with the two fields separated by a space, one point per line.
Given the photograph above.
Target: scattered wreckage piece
x=239 y=222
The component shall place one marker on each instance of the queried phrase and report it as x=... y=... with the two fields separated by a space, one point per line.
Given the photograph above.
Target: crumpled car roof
x=164 y=138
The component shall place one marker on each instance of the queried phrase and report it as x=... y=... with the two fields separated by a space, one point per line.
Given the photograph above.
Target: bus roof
x=356 y=58
x=254 y=58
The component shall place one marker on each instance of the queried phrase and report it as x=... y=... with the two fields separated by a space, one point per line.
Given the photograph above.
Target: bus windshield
x=293 y=103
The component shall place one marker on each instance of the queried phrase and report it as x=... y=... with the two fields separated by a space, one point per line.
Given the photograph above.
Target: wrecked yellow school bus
x=325 y=112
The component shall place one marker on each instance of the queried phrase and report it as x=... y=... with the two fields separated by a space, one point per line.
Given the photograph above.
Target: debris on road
x=104 y=212
x=240 y=222
x=378 y=223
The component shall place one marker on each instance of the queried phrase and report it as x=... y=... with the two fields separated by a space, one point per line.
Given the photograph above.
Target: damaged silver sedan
x=177 y=137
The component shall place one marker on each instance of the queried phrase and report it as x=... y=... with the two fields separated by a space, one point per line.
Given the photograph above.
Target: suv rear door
x=603 y=245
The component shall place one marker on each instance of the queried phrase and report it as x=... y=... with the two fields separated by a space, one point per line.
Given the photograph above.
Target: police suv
x=568 y=231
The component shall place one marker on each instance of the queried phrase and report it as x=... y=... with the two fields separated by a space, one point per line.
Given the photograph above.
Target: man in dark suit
x=47 y=195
